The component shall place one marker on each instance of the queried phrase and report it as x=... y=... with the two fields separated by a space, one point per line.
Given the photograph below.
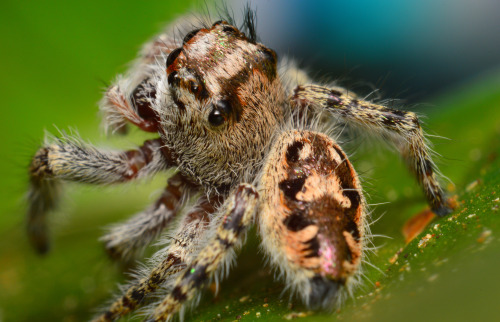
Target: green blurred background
x=57 y=56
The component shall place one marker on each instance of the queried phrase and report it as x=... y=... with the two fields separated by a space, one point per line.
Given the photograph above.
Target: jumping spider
x=250 y=138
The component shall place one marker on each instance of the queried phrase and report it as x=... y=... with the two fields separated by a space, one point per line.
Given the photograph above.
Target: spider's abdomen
x=312 y=214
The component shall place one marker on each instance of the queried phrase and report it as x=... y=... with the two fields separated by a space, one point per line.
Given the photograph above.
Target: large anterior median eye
x=194 y=86
x=220 y=113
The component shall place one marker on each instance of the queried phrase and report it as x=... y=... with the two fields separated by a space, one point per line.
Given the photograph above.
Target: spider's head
x=217 y=69
x=222 y=99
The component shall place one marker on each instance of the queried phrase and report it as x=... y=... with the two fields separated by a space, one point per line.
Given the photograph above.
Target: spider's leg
x=67 y=159
x=238 y=212
x=128 y=239
x=312 y=216
x=185 y=241
x=401 y=127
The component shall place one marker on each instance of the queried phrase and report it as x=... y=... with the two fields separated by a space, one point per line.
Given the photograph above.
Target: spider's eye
x=173 y=55
x=230 y=30
x=190 y=35
x=174 y=79
x=216 y=118
x=220 y=113
x=268 y=55
x=219 y=22
x=268 y=61
x=227 y=27
x=193 y=87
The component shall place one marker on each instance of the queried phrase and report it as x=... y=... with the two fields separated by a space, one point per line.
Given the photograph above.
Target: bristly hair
x=249 y=22
x=248 y=27
x=225 y=13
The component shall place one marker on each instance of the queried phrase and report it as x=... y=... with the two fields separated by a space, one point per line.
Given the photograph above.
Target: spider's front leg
x=401 y=127
x=192 y=230
x=238 y=212
x=128 y=239
x=68 y=159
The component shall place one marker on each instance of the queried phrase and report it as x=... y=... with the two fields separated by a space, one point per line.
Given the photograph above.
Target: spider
x=251 y=139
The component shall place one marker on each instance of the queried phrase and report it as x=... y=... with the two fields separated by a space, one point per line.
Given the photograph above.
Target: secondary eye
x=219 y=22
x=173 y=55
x=190 y=35
x=230 y=30
x=174 y=79
x=220 y=113
x=194 y=87
x=268 y=54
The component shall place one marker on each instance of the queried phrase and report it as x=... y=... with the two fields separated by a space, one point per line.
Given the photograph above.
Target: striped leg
x=67 y=159
x=401 y=127
x=128 y=239
x=185 y=241
x=238 y=214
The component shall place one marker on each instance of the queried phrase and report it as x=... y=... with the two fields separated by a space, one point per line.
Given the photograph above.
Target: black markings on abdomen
x=354 y=197
x=292 y=153
x=296 y=222
x=313 y=247
x=291 y=187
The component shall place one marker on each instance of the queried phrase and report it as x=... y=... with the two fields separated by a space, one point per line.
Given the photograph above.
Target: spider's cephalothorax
x=244 y=133
x=221 y=87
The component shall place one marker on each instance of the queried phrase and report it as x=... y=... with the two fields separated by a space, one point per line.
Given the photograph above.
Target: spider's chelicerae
x=251 y=139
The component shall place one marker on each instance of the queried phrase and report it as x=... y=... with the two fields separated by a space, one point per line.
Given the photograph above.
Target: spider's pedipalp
x=401 y=127
x=312 y=215
x=69 y=160
x=129 y=239
x=130 y=97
